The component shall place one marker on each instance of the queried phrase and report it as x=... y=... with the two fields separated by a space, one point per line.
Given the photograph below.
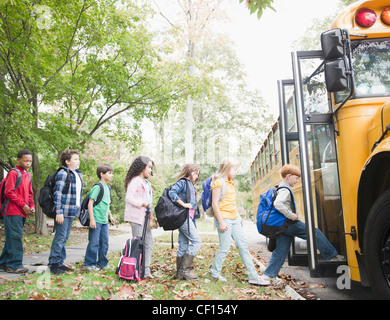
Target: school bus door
x=315 y=135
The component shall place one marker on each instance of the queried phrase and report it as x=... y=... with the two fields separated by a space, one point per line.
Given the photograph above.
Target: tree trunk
x=188 y=140
x=189 y=149
x=40 y=217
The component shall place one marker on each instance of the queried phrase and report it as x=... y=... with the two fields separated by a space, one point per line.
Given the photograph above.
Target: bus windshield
x=371 y=63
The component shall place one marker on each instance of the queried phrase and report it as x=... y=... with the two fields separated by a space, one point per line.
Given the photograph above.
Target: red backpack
x=3 y=200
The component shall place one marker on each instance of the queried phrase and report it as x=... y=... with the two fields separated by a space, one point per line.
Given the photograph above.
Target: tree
x=196 y=16
x=70 y=69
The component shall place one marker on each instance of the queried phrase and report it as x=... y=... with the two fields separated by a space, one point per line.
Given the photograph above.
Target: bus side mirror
x=336 y=70
x=336 y=75
x=332 y=44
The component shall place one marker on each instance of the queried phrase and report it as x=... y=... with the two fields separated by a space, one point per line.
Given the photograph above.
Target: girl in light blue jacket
x=189 y=239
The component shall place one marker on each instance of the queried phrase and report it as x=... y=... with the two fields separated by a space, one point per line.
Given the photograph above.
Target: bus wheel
x=377 y=246
x=271 y=244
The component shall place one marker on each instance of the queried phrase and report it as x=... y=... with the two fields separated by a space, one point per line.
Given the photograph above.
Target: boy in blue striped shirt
x=67 y=206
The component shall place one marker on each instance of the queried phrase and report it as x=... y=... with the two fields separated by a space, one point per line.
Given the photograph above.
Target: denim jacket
x=179 y=190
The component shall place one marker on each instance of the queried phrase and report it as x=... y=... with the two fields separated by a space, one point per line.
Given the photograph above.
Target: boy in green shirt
x=99 y=215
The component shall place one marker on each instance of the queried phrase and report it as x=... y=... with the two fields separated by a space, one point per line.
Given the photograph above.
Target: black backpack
x=46 y=194
x=171 y=215
x=84 y=214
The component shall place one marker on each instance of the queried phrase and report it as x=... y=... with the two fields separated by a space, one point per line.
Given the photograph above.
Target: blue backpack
x=207 y=194
x=270 y=222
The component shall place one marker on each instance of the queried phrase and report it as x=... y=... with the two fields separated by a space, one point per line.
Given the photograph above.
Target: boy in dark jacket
x=19 y=204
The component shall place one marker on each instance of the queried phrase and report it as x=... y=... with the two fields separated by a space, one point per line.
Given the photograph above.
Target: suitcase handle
x=147 y=212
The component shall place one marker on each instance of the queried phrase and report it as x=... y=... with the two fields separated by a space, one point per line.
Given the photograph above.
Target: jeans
x=283 y=243
x=97 y=248
x=12 y=255
x=137 y=230
x=236 y=232
x=57 y=251
x=189 y=242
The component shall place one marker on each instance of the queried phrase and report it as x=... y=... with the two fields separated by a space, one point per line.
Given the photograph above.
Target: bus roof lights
x=385 y=16
x=365 y=18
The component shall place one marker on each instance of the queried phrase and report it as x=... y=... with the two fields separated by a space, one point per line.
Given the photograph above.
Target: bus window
x=271 y=150
x=291 y=115
x=266 y=154
x=252 y=176
x=326 y=200
x=314 y=92
x=262 y=163
x=371 y=62
x=277 y=145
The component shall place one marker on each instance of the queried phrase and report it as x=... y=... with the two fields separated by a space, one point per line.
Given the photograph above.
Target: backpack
x=84 y=214
x=131 y=265
x=270 y=222
x=207 y=195
x=46 y=194
x=171 y=215
x=3 y=201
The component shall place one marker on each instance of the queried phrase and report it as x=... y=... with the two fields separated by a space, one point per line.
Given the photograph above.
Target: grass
x=105 y=284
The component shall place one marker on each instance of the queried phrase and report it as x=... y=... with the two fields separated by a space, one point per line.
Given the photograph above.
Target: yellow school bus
x=334 y=123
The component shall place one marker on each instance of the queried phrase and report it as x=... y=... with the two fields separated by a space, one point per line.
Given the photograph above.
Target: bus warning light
x=365 y=18
x=385 y=16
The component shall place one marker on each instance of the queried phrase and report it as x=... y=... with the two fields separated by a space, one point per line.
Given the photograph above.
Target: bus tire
x=377 y=246
x=271 y=244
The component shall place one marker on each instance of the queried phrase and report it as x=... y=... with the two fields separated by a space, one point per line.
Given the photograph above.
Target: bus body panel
x=353 y=123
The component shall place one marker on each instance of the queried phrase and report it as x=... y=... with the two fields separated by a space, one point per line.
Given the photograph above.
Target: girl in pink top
x=138 y=197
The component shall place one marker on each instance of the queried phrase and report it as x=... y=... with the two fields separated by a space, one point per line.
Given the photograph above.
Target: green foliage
x=258 y=6
x=69 y=69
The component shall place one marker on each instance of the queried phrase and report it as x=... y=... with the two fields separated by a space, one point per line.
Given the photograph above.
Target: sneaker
x=18 y=270
x=275 y=282
x=260 y=281
x=219 y=278
x=91 y=268
x=55 y=269
x=103 y=268
x=337 y=258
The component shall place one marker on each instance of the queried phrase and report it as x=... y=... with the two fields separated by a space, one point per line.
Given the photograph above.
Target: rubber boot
x=185 y=269
x=178 y=266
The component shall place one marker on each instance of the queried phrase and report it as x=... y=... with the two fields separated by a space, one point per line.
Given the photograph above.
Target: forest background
x=89 y=74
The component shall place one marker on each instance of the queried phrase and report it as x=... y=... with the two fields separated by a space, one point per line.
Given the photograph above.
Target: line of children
x=19 y=204
x=138 y=198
